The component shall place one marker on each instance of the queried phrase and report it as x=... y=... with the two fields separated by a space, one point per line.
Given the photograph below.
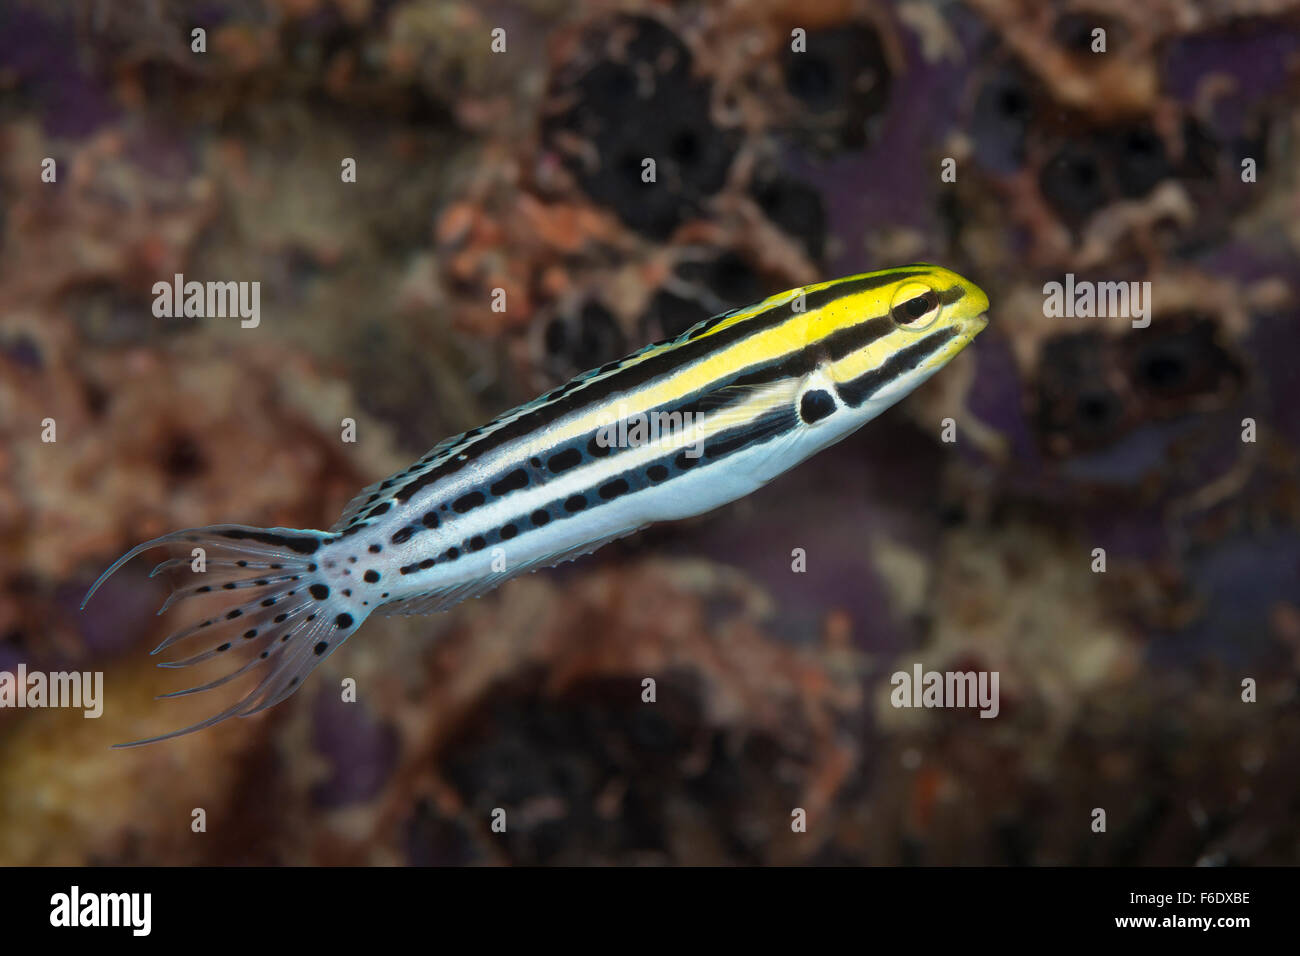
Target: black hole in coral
x=1073 y=32
x=97 y=399
x=1164 y=370
x=1083 y=173
x=1072 y=182
x=1013 y=103
x=1141 y=161
x=557 y=336
x=1098 y=409
x=796 y=208
x=629 y=165
x=685 y=147
x=631 y=99
x=182 y=457
x=810 y=78
x=842 y=82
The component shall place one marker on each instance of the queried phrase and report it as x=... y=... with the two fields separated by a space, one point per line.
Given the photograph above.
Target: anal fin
x=441 y=599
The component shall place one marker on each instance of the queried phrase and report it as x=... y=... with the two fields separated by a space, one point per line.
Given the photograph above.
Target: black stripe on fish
x=858 y=390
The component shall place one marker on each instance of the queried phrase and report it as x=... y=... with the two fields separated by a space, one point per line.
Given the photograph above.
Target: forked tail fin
x=271 y=608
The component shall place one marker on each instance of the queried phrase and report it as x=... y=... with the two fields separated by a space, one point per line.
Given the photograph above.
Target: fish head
x=892 y=330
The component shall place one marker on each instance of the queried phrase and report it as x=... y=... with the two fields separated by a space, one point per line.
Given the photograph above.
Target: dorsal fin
x=374 y=493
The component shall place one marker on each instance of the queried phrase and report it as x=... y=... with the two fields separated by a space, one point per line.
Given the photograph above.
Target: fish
x=673 y=430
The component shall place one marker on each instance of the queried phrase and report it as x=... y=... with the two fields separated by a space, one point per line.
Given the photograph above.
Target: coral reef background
x=520 y=171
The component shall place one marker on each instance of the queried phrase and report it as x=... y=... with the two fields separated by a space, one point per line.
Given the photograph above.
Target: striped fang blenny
x=676 y=429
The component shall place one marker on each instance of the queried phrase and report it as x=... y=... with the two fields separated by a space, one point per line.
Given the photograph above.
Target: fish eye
x=915 y=306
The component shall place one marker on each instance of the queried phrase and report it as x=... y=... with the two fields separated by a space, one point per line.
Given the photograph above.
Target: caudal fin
x=271 y=609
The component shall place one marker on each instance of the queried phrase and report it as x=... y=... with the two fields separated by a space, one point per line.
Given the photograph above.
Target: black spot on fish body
x=405 y=534
x=657 y=473
x=612 y=489
x=319 y=591
x=816 y=405
x=468 y=502
x=540 y=517
x=564 y=460
x=575 y=503
x=344 y=620
x=477 y=543
x=320 y=648
x=511 y=482
x=376 y=548
x=371 y=576
x=430 y=519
